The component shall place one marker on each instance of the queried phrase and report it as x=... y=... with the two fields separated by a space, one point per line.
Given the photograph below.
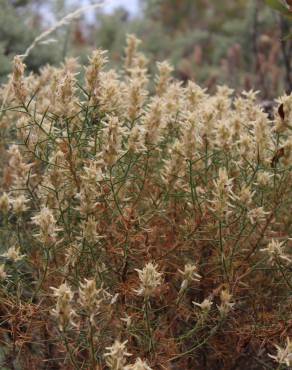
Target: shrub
x=142 y=230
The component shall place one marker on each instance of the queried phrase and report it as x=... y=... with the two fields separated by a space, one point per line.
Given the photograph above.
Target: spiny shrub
x=144 y=224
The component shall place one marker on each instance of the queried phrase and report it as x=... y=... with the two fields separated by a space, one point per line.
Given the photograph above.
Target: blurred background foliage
x=241 y=43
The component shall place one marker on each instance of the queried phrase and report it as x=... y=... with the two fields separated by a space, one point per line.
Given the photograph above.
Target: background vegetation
x=239 y=43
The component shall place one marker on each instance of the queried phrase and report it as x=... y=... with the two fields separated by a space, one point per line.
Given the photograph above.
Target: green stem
x=93 y=360
x=72 y=360
x=206 y=161
x=115 y=195
x=180 y=297
x=144 y=179
x=225 y=272
x=47 y=256
x=193 y=188
x=283 y=274
x=149 y=330
x=212 y=332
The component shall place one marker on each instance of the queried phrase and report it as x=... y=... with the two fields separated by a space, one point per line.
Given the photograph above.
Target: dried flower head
x=127 y=320
x=245 y=196
x=275 y=251
x=63 y=311
x=116 y=355
x=284 y=355
x=13 y=254
x=89 y=230
x=257 y=215
x=46 y=222
x=222 y=193
x=65 y=95
x=189 y=274
x=3 y=274
x=263 y=178
x=226 y=302
x=138 y=365
x=18 y=84
x=131 y=51
x=4 y=203
x=205 y=306
x=154 y=122
x=112 y=147
x=19 y=204
x=89 y=298
x=163 y=78
x=92 y=72
x=150 y=280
